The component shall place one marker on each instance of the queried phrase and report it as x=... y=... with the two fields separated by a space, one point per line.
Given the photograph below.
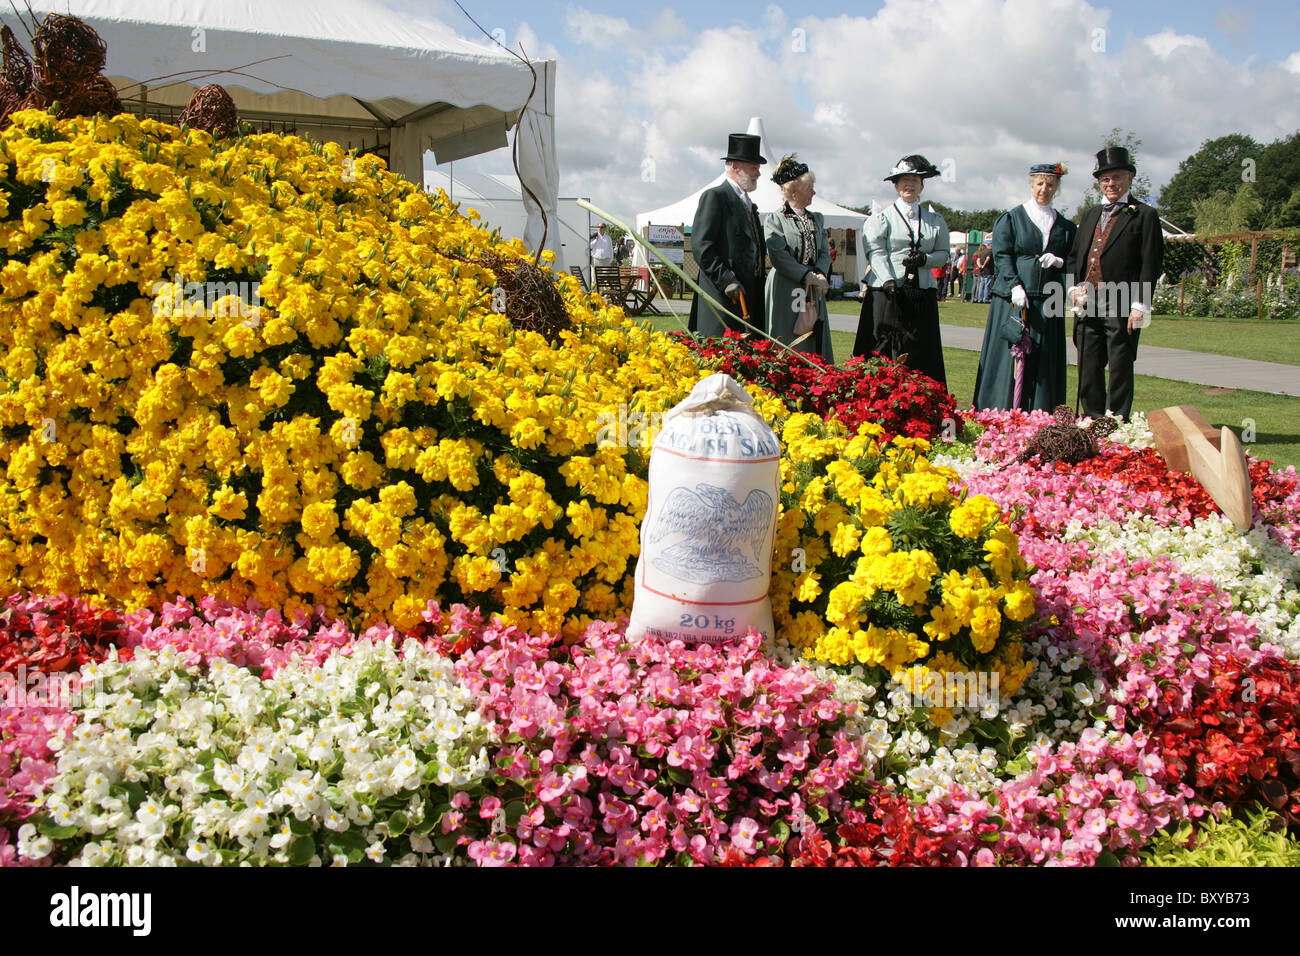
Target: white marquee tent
x=348 y=71
x=767 y=197
x=500 y=205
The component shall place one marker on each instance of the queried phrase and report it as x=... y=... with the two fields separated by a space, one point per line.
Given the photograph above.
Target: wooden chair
x=581 y=277
x=637 y=301
x=610 y=284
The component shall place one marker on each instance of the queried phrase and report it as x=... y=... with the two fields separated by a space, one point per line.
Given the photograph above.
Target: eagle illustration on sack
x=724 y=538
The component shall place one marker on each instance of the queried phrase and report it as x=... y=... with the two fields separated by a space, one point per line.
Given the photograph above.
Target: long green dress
x=793 y=256
x=1017 y=246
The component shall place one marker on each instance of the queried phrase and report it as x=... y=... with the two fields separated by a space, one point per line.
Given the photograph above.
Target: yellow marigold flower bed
x=364 y=433
x=878 y=564
x=245 y=369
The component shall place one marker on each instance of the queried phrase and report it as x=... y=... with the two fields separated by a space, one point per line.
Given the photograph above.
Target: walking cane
x=744 y=311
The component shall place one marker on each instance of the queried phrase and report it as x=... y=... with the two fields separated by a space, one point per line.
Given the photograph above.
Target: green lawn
x=1267 y=341
x=1276 y=417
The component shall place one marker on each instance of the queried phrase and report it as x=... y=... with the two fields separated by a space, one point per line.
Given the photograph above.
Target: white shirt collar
x=904 y=207
x=1122 y=200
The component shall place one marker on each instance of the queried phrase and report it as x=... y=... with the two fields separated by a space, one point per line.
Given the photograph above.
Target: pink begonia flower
x=743 y=832
x=492 y=852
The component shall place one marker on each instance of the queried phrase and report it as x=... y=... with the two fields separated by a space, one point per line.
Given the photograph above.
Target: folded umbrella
x=1019 y=351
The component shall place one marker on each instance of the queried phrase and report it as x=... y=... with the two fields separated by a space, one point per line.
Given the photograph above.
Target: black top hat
x=914 y=165
x=743 y=147
x=1113 y=157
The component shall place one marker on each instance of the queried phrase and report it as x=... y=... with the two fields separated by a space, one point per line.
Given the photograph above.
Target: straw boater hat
x=914 y=165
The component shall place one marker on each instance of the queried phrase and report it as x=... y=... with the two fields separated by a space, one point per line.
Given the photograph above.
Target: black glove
x=914 y=259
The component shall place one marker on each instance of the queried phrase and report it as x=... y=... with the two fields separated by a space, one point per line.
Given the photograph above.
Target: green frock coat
x=781 y=234
x=1017 y=246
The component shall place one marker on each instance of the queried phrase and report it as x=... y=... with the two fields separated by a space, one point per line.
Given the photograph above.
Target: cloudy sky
x=990 y=86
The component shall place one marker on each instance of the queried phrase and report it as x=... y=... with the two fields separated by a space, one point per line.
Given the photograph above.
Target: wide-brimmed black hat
x=1113 y=157
x=743 y=147
x=914 y=165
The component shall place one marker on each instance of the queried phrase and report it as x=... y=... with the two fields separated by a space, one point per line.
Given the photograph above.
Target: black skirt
x=902 y=322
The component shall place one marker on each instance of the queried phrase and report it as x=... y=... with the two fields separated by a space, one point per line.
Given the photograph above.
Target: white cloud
x=993 y=85
x=595 y=29
x=830 y=114
x=1165 y=42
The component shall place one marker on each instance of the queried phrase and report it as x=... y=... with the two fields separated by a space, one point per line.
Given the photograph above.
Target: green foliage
x=1216 y=166
x=1141 y=188
x=1259 y=840
x=1278 y=178
x=1229 y=210
x=957 y=220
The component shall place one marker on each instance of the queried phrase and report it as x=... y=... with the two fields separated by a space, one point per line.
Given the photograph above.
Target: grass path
x=1266 y=341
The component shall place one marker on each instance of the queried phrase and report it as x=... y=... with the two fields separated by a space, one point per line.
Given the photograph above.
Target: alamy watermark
x=954 y=690
x=36 y=688
x=628 y=429
x=217 y=299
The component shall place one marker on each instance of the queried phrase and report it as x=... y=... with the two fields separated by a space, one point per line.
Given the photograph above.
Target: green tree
x=1217 y=165
x=1141 y=188
x=958 y=220
x=1278 y=177
x=1228 y=210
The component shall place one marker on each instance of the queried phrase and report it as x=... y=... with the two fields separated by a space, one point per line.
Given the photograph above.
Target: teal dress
x=1017 y=246
x=794 y=252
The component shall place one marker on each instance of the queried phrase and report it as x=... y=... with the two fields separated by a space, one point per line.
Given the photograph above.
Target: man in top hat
x=727 y=242
x=1117 y=256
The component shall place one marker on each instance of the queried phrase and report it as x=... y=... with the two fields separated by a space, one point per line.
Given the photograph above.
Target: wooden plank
x=1223 y=473
x=1168 y=426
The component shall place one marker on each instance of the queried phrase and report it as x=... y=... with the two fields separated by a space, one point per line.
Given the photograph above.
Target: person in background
x=958 y=269
x=727 y=239
x=800 y=252
x=1117 y=257
x=1030 y=243
x=984 y=271
x=900 y=311
x=940 y=274
x=602 y=248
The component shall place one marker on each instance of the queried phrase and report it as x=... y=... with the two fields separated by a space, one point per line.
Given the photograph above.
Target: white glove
x=1049 y=261
x=732 y=291
x=816 y=283
x=1018 y=297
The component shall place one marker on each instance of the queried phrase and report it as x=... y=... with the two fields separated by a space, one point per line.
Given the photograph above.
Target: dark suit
x=1131 y=261
x=728 y=249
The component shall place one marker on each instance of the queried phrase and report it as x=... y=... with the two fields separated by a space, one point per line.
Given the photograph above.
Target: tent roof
x=767 y=196
x=325 y=48
x=337 y=68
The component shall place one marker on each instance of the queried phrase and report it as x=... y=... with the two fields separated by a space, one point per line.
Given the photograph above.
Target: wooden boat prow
x=1190 y=444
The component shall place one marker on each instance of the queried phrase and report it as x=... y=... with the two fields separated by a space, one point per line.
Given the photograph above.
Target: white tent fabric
x=348 y=71
x=767 y=196
x=500 y=205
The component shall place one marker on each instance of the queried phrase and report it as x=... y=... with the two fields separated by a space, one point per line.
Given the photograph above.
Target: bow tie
x=1112 y=207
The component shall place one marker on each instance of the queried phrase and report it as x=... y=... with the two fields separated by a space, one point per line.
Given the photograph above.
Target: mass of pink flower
x=613 y=752
x=652 y=751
